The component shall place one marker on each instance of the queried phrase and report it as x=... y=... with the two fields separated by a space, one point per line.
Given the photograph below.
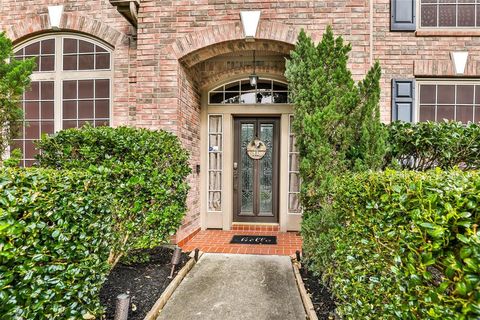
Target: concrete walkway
x=229 y=286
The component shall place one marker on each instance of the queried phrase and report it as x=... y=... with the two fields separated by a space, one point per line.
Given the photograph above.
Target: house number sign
x=256 y=149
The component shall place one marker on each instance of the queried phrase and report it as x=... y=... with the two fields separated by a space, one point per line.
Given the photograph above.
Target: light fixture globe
x=253 y=77
x=253 y=80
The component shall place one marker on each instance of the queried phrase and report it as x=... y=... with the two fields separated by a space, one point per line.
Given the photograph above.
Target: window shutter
x=403 y=100
x=402 y=15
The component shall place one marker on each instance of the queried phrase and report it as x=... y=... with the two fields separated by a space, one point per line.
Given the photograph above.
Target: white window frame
x=221 y=152
x=432 y=81
x=456 y=28
x=243 y=104
x=290 y=134
x=58 y=75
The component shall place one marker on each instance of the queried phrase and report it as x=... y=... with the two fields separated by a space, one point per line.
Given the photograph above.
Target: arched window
x=241 y=92
x=71 y=86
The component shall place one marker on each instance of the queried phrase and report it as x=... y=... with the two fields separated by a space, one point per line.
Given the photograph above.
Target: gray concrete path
x=229 y=286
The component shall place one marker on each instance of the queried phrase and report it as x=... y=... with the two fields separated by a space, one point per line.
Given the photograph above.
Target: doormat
x=241 y=239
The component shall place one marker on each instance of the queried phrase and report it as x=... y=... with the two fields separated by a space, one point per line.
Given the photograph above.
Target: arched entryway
x=222 y=58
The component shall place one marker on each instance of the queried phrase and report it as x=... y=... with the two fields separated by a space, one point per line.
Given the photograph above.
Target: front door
x=255 y=169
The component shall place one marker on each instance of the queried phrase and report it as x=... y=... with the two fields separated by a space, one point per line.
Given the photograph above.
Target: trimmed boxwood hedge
x=55 y=228
x=402 y=245
x=144 y=170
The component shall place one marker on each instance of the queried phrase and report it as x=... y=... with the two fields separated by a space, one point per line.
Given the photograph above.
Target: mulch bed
x=144 y=281
x=319 y=294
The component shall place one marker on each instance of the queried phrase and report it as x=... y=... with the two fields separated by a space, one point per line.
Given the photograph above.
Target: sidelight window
x=215 y=157
x=293 y=172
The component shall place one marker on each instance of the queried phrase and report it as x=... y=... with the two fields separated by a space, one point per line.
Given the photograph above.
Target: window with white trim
x=449 y=13
x=215 y=158
x=452 y=100
x=266 y=91
x=71 y=86
x=293 y=172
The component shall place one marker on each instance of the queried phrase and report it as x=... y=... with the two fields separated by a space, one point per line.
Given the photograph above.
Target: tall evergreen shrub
x=337 y=121
x=14 y=78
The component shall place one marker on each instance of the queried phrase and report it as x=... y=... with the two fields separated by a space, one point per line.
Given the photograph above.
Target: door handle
x=235 y=176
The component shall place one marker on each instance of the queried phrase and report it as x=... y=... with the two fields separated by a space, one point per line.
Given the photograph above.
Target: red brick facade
x=162 y=67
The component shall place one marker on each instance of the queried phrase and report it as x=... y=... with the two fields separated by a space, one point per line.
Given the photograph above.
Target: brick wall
x=189 y=119
x=159 y=77
x=401 y=52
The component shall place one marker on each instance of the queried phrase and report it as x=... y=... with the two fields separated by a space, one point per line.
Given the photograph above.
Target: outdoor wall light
x=250 y=21
x=253 y=77
x=459 y=59
x=55 y=15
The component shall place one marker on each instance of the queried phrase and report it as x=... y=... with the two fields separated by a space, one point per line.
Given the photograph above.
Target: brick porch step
x=255 y=227
x=218 y=241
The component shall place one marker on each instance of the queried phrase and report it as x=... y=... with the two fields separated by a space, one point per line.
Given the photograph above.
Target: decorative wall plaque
x=256 y=149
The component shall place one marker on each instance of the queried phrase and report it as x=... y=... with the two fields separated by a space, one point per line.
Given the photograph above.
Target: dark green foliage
x=55 y=228
x=14 y=160
x=14 y=78
x=401 y=245
x=62 y=230
x=391 y=245
x=146 y=172
x=425 y=145
x=337 y=122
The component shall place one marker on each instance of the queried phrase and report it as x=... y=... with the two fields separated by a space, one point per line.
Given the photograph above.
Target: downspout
x=371 y=31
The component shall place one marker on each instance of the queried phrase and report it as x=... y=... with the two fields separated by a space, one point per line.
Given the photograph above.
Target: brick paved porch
x=218 y=241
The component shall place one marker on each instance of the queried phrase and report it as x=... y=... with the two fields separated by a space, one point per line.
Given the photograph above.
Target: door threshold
x=251 y=226
x=255 y=224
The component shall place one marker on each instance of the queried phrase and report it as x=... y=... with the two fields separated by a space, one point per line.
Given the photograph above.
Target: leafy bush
x=400 y=245
x=425 y=145
x=337 y=122
x=146 y=173
x=54 y=243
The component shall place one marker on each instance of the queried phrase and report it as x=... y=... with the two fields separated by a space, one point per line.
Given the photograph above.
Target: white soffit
x=459 y=59
x=250 y=21
x=55 y=14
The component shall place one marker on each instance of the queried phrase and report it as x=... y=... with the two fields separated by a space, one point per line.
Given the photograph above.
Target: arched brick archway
x=173 y=102
x=164 y=104
x=238 y=72
x=209 y=42
x=70 y=22
x=222 y=48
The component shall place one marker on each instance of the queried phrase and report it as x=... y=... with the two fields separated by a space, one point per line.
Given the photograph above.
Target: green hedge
x=425 y=145
x=102 y=192
x=54 y=243
x=145 y=170
x=402 y=245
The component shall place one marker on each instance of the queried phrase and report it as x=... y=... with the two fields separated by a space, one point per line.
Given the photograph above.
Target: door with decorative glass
x=255 y=169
